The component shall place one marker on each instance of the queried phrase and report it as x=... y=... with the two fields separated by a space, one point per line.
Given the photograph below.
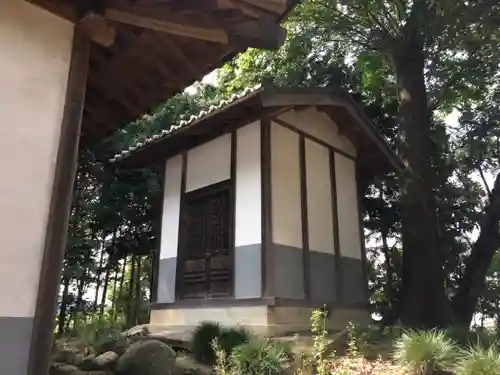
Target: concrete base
x=262 y=320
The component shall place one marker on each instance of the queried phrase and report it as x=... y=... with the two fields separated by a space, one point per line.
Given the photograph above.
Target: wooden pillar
x=57 y=225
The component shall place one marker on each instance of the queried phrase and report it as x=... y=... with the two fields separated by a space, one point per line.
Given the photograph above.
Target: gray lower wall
x=15 y=340
x=323 y=276
x=248 y=271
x=353 y=281
x=166 y=280
x=288 y=279
x=287 y=274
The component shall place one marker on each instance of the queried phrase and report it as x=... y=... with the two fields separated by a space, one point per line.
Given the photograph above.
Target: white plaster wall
x=319 y=198
x=347 y=203
x=171 y=208
x=209 y=163
x=319 y=125
x=34 y=64
x=248 y=220
x=285 y=187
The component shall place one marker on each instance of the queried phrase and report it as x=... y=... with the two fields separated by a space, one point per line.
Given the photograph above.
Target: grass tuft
x=479 y=361
x=424 y=352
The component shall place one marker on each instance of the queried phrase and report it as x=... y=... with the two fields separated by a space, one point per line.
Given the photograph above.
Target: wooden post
x=57 y=226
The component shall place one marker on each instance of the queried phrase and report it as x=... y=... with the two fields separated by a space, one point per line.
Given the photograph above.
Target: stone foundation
x=260 y=319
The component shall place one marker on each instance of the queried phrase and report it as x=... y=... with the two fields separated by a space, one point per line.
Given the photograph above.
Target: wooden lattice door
x=205 y=252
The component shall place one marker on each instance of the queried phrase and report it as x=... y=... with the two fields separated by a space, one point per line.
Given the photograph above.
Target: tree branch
x=484 y=180
x=455 y=76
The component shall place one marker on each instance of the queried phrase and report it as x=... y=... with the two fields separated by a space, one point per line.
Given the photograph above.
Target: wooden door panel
x=206 y=264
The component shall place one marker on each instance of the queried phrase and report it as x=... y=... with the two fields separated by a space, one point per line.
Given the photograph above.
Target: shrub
x=261 y=358
x=479 y=361
x=230 y=338
x=101 y=334
x=473 y=338
x=221 y=366
x=201 y=342
x=425 y=351
x=319 y=329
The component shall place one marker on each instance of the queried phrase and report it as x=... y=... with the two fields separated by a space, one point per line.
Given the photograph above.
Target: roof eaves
x=184 y=123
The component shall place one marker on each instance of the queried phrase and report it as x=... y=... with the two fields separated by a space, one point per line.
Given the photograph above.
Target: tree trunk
x=388 y=269
x=113 y=298
x=98 y=277
x=424 y=302
x=138 y=299
x=122 y=279
x=131 y=293
x=105 y=289
x=64 y=307
x=472 y=283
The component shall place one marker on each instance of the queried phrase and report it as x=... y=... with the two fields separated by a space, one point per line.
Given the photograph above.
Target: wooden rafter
x=126 y=78
x=176 y=25
x=275 y=6
x=178 y=54
x=215 y=5
x=261 y=33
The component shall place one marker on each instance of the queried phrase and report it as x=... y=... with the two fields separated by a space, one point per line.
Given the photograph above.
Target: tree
x=433 y=55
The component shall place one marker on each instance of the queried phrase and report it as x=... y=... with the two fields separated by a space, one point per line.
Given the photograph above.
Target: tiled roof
x=183 y=123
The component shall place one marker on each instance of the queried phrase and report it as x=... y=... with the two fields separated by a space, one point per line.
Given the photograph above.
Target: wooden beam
x=97 y=28
x=169 y=25
x=262 y=33
x=274 y=6
x=59 y=210
x=213 y=5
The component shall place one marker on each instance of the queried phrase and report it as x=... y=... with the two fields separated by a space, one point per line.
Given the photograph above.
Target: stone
x=168 y=337
x=65 y=356
x=149 y=357
x=88 y=364
x=106 y=360
x=116 y=344
x=63 y=369
x=137 y=331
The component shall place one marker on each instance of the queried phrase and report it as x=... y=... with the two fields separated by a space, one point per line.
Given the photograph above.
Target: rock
x=149 y=357
x=88 y=364
x=167 y=338
x=65 y=356
x=115 y=344
x=137 y=331
x=63 y=369
x=107 y=360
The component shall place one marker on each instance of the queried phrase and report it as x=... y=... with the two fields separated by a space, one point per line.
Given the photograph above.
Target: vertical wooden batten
x=267 y=229
x=304 y=217
x=362 y=239
x=180 y=236
x=336 y=234
x=60 y=206
x=155 y=269
x=232 y=230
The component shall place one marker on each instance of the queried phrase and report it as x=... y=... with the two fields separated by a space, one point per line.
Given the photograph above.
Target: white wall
x=248 y=217
x=347 y=201
x=34 y=64
x=171 y=208
x=319 y=125
x=319 y=198
x=285 y=187
x=209 y=163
